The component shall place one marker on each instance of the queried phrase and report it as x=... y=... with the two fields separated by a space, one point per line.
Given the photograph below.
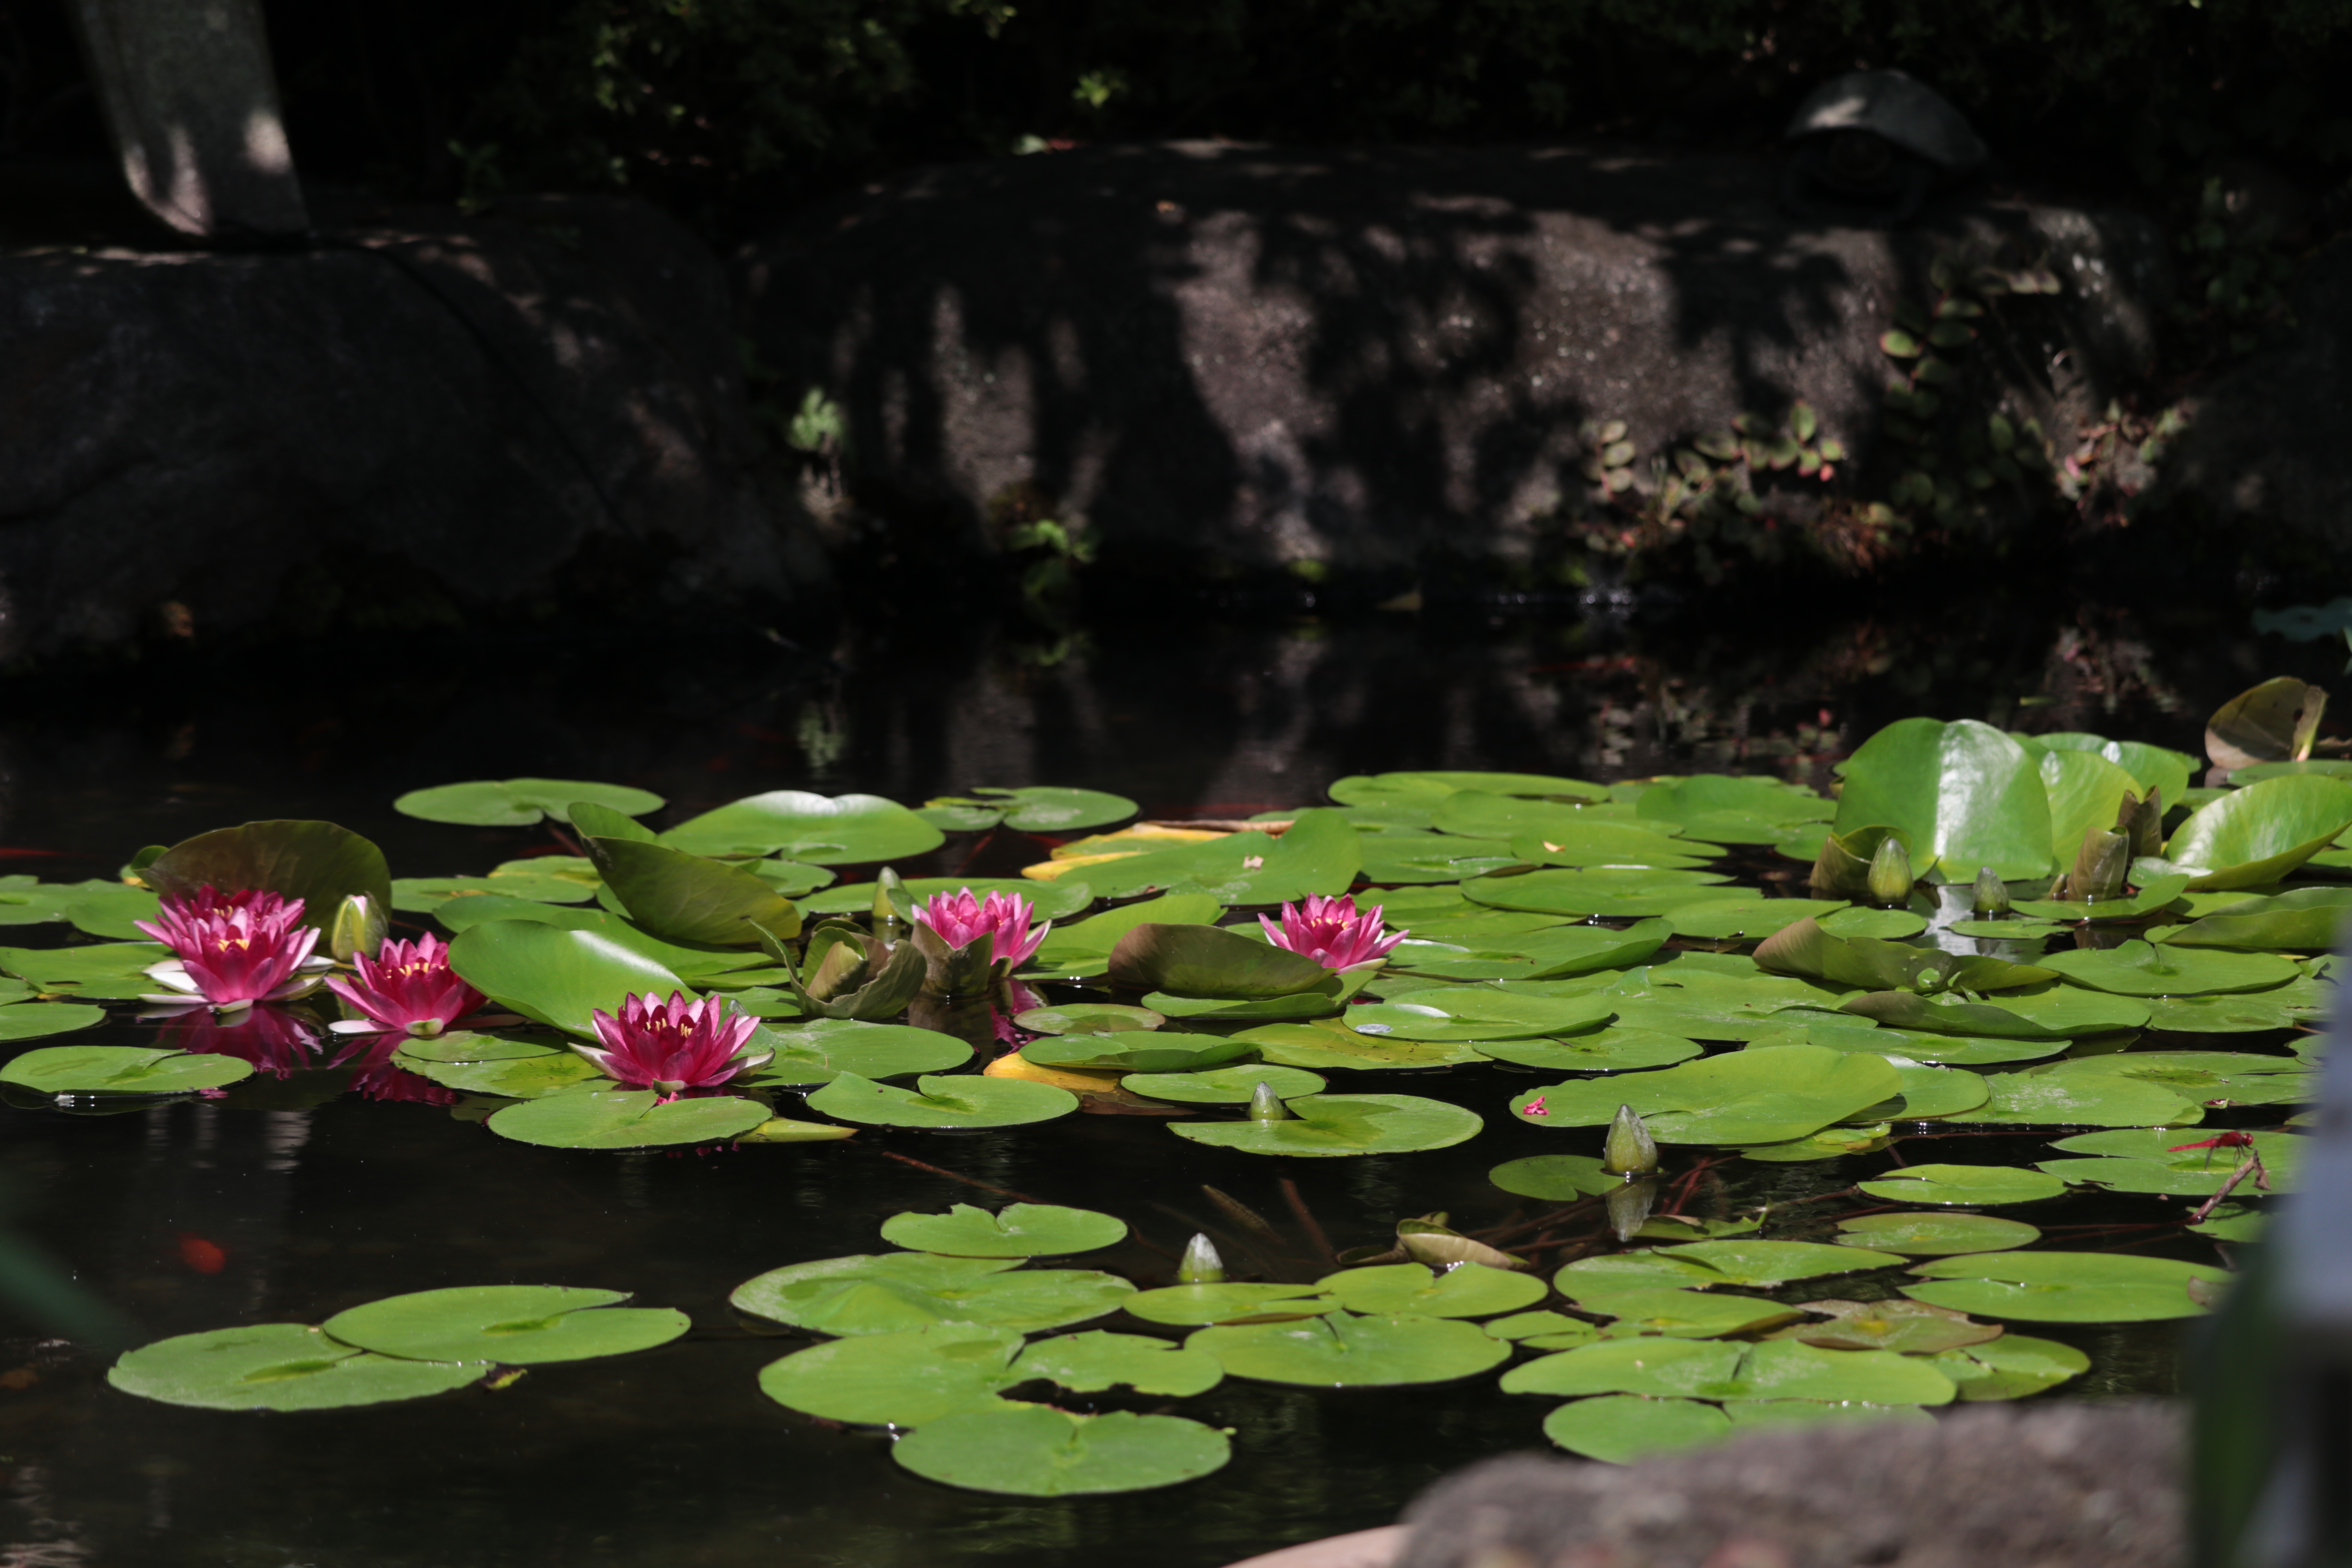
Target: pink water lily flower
x=408 y=985
x=960 y=919
x=232 y=949
x=675 y=1045
x=1330 y=931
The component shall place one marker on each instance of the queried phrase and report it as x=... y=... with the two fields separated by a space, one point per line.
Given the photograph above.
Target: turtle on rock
x=1867 y=148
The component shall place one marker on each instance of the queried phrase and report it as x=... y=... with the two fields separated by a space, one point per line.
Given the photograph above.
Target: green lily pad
x=2265 y=830
x=1535 y=1329
x=1084 y=947
x=1613 y=894
x=904 y=1379
x=2151 y=767
x=317 y=862
x=689 y=898
x=1556 y=1178
x=2041 y=1097
x=847 y=830
x=1223 y=1085
x=1346 y=1350
x=1095 y=1360
x=467 y=1045
x=1555 y=951
x=2021 y=930
x=1964 y=1185
x=2233 y=1222
x=893 y=1292
x=514 y=1078
x=2144 y=969
x=821 y=1050
x=1210 y=1010
x=1749 y=919
x=1333 y=1125
x=112 y=971
x=2064 y=1287
x=1330 y=1045
x=1465 y=1291
x=1879 y=925
x=1715 y=1369
x=1202 y=961
x=431 y=894
x=1019 y=1230
x=1463 y=1013
x=1685 y=1314
x=1681 y=998
x=557 y=976
x=2011 y=1367
x=2070 y=1011
x=2310 y=920
x=1194 y=1306
x=1935 y=1234
x=1967 y=795
x=118 y=1069
x=1035 y=1450
x=625 y=1119
x=276 y=1366
x=963 y=1101
x=2085 y=791
x=1748 y=1097
x=2147 y=1160
x=1929 y=1092
x=1566 y=835
x=517 y=1325
x=1702 y=1265
x=519 y=803
x=1829 y=1144
x=1032 y=808
x=2240 y=1076
x=1410 y=856
x=1752 y=1415
x=1602 y=1051
x=2161 y=893
x=1137 y=1050
x=1087 y=1018
x=1621 y=1428
x=1906 y=1328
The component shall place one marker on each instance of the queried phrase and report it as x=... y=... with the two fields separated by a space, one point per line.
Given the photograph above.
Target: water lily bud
x=1266 y=1106
x=2142 y=822
x=1630 y=1151
x=1991 y=894
x=1890 y=873
x=889 y=898
x=1201 y=1265
x=1629 y=1207
x=360 y=925
x=2099 y=865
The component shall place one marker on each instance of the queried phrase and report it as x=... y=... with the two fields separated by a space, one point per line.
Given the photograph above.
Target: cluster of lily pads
x=1976 y=931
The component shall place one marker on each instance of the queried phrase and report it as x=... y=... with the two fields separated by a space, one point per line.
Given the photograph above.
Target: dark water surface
x=673 y=1457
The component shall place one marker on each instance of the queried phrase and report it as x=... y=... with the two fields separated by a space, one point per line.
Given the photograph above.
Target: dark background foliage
x=724 y=108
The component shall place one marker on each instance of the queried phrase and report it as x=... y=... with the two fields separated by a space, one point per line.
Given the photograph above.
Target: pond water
x=288 y=1202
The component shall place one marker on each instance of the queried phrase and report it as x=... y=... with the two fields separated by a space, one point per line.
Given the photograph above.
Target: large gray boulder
x=418 y=417
x=1225 y=357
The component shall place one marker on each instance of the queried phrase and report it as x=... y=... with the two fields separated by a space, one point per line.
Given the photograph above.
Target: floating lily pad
x=2136 y=1160
x=119 y=1069
x=431 y=894
x=850 y=829
x=2160 y=892
x=2233 y=1222
x=1906 y=1328
x=1087 y=1018
x=276 y=1366
x=1620 y=1428
x=1032 y=808
x=1929 y=1092
x=1194 y=1306
x=1035 y=1450
x=557 y=976
x=1748 y=919
x=1714 y=1369
x=823 y=1049
x=1554 y=951
x=112 y=971
x=2042 y=1097
x=1465 y=1291
x=1556 y=1178
x=1137 y=1050
x=962 y=1101
x=2309 y=919
x=904 y=1379
x=1752 y=1414
x=1883 y=925
x=1018 y=1230
x=1406 y=856
x=1345 y=1350
x=2145 y=969
x=1964 y=1185
x=1733 y=809
x=514 y=1078
x=2011 y=1367
x=625 y=1119
x=1829 y=1144
x=1702 y=1265
x=2262 y=831
x=2281 y=1007
x=1935 y=1234
x=889 y=1292
x=2020 y=931
x=1685 y=1314
x=1536 y=1330
x=518 y=1325
x=2064 y=1287
x=1567 y=835
x=1616 y=894
x=1602 y=1050
x=519 y=803
x=1223 y=1085
x=2240 y=1076
x=2068 y=1010
x=1210 y=1010
x=1748 y=1097
x=1328 y=1046
x=1463 y=1014
x=1210 y=962
x=1084 y=947
x=1331 y=1125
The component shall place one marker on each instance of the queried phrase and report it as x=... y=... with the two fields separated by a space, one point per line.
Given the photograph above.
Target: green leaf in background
x=116 y=1069
x=1194 y=1306
x=1035 y=1450
x=851 y=829
x=820 y=1051
x=1019 y=1230
x=1332 y=1125
x=903 y=1379
x=2085 y=791
x=1210 y=962
x=2064 y=1287
x=519 y=803
x=1748 y=1097
x=1035 y=808
x=515 y=1325
x=1465 y=1291
x=2151 y=767
x=2144 y=969
x=1612 y=894
x=892 y=1292
x=1714 y=1369
x=1223 y=1085
x=1465 y=1013
x=1602 y=1051
x=1085 y=948
x=1137 y=1050
x=625 y=1119
x=1704 y=1264
x=684 y=897
x=1345 y=1350
x=316 y=862
x=2267 y=829
x=962 y=1101
x=1967 y=795
x=276 y=1366
x=1556 y=1178
x=1935 y=1234
x=2011 y=1367
x=556 y=976
x=1093 y=1361
x=2310 y=920
x=1621 y=1428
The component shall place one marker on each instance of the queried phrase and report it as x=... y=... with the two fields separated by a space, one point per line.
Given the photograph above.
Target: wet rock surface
x=1227 y=357
x=2050 y=1485
x=416 y=418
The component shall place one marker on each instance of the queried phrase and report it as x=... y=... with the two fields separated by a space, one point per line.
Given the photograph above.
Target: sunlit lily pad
x=1967 y=795
x=2145 y=969
x=516 y=1078
x=1929 y=1092
x=625 y=1119
x=2310 y=920
x=2159 y=893
x=1567 y=835
x=1714 y=1368
x=1084 y=947
x=276 y=1366
x=1747 y=1097
x=2280 y=1007
x=1702 y=1265
x=1406 y=856
x=1464 y=1014
x=903 y=1379
x=1465 y=1291
x=1557 y=1178
x=557 y=976
x=2064 y=1287
x=2240 y=1078
x=850 y=829
x=1330 y=1125
x=1331 y=1046
x=888 y=1292
x=1050 y=900
x=822 y=1049
x=1620 y=1428
x=1018 y=1230
x=1095 y=1360
x=2233 y=1222
x=519 y=803
x=118 y=1069
x=1602 y=1050
x=1194 y=1306
x=1883 y=925
x=518 y=1325
x=1035 y=1450
x=1536 y=1330
x=1829 y=1144
x=1906 y=1328
x=1733 y=809
x=2262 y=831
x=1223 y=1086
x=1345 y=1350
x=2136 y=1160
x=1964 y=1185
x=2011 y=1367
x=1087 y=1018
x=1555 y=951
x=1683 y=1314
x=1137 y=1050
x=1616 y=894
x=2068 y=1010
x=1935 y=1234
x=942 y=1102
x=1750 y=919
x=1753 y=1414
x=2043 y=1096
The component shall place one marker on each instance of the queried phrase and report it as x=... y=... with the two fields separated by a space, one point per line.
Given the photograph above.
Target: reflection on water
x=286 y=1200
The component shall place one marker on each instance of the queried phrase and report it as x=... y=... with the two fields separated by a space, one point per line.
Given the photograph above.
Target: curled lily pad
x=1035 y=1450
x=1602 y=1050
x=1333 y=1125
x=2064 y=1287
x=1750 y=1096
x=890 y=1292
x=1552 y=953
x=1019 y=1230
x=518 y=1325
x=822 y=1049
x=1559 y=1178
x=1194 y=1306
x=1750 y=919
x=1967 y=795
x=1964 y=1185
x=318 y=862
x=2262 y=831
x=625 y=1119
x=1465 y=1291
x=1935 y=1234
x=118 y=1069
x=690 y=898
x=1084 y=947
x=2011 y=1367
x=1223 y=1086
x=962 y=1101
x=1620 y=1429
x=1346 y=1350
x=1714 y=1368
x=1212 y=962
x=902 y=1379
x=2309 y=919
x=276 y=1366
x=519 y=803
x=1049 y=900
